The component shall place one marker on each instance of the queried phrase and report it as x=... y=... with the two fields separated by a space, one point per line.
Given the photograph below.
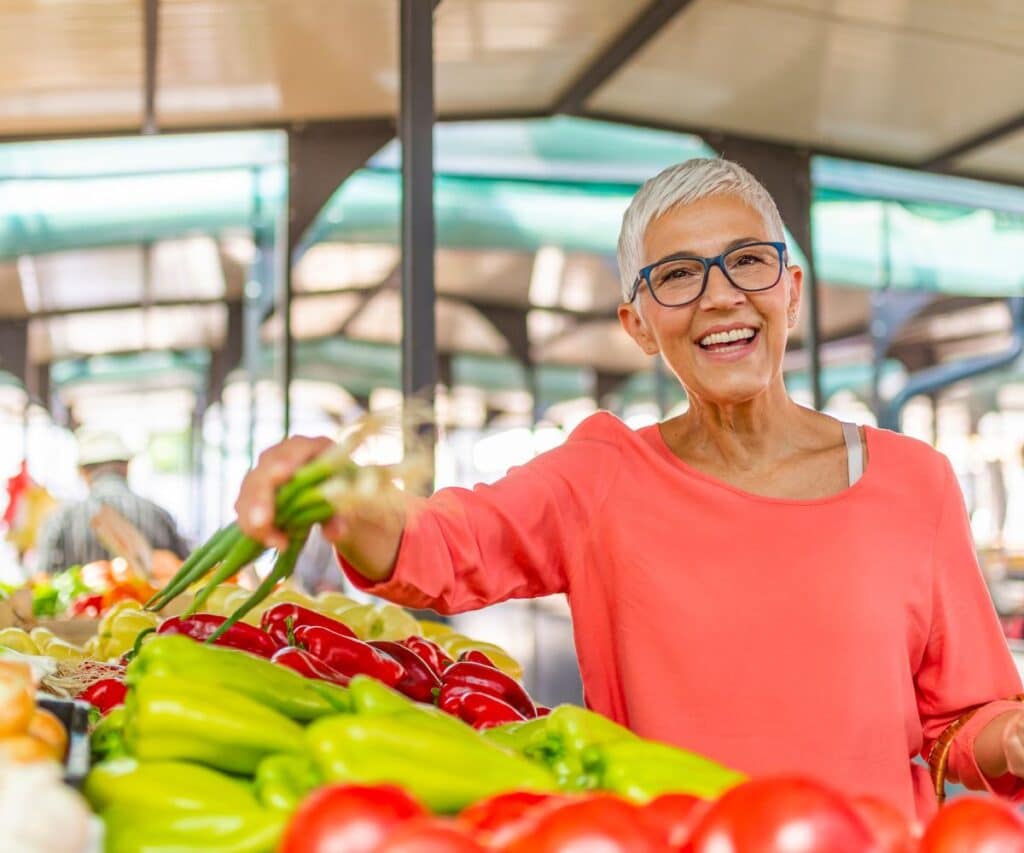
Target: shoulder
x=910 y=459
x=603 y=427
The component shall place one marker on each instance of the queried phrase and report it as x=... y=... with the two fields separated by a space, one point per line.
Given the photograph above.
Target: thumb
x=336 y=529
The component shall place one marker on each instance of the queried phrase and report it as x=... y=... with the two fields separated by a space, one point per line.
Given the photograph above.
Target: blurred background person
x=68 y=538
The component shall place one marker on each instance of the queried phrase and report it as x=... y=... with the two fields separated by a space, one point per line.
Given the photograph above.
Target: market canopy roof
x=527 y=212
x=882 y=81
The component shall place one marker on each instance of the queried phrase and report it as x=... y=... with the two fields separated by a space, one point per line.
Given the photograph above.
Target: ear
x=796 y=287
x=635 y=327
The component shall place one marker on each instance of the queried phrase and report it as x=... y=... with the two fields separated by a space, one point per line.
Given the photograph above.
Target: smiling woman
x=737 y=587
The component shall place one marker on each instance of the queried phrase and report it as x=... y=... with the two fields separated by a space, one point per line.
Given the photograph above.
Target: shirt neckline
x=870 y=445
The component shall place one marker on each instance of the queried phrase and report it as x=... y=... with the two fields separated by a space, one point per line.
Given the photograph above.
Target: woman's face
x=722 y=373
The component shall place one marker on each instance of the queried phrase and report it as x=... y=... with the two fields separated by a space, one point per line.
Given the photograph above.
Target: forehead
x=703 y=227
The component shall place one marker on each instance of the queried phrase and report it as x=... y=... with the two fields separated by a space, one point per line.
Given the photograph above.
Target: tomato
x=782 y=815
x=429 y=836
x=353 y=818
x=601 y=823
x=676 y=816
x=973 y=823
x=892 y=829
x=494 y=820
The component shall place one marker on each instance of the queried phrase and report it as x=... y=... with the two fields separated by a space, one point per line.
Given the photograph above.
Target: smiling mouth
x=732 y=341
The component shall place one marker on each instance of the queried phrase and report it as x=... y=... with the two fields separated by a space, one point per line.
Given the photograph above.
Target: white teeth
x=727 y=337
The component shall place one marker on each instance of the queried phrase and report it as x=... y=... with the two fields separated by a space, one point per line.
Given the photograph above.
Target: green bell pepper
x=370 y=696
x=165 y=785
x=641 y=770
x=441 y=761
x=267 y=683
x=107 y=738
x=282 y=781
x=170 y=718
x=131 y=830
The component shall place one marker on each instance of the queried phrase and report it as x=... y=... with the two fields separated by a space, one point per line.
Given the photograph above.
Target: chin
x=732 y=391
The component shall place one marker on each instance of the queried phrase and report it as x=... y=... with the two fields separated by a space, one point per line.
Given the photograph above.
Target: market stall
x=224 y=714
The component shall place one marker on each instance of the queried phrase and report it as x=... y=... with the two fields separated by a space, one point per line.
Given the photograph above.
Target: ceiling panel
x=12 y=302
x=519 y=55
x=316 y=316
x=459 y=327
x=66 y=281
x=127 y=330
x=70 y=65
x=495 y=277
x=1002 y=159
x=599 y=344
x=892 y=86
x=234 y=60
x=331 y=266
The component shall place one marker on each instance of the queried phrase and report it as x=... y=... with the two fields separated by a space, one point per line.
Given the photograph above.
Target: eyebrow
x=732 y=244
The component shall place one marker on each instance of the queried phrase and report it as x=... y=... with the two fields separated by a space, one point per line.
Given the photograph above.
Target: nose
x=720 y=292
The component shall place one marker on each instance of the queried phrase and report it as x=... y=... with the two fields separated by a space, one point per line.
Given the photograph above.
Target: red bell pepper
x=349 y=655
x=308 y=665
x=486 y=679
x=419 y=681
x=105 y=694
x=477 y=656
x=87 y=605
x=481 y=710
x=431 y=653
x=201 y=626
x=281 y=620
x=542 y=710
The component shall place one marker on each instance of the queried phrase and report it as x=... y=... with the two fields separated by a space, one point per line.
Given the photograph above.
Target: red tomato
x=973 y=823
x=430 y=835
x=782 y=815
x=352 y=818
x=893 y=830
x=600 y=824
x=676 y=816
x=496 y=819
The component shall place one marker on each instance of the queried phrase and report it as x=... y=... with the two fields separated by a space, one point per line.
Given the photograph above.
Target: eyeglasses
x=681 y=279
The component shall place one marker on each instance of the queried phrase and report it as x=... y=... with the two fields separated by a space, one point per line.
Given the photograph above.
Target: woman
x=752 y=580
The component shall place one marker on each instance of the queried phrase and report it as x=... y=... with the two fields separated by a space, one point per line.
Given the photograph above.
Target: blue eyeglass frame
x=717 y=261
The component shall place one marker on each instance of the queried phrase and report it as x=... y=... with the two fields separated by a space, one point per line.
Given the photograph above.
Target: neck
x=742 y=436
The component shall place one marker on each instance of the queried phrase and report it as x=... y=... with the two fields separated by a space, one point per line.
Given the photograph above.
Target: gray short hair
x=686 y=183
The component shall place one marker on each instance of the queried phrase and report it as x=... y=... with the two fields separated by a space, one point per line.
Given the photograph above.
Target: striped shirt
x=67 y=539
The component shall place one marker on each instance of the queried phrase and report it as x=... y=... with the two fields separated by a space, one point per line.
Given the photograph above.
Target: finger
x=282 y=460
x=255 y=505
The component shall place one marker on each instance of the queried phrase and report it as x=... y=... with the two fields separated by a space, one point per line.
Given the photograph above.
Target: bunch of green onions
x=329 y=483
x=313 y=495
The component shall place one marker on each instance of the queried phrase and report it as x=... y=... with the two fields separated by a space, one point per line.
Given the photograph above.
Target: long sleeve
x=966 y=663
x=521 y=537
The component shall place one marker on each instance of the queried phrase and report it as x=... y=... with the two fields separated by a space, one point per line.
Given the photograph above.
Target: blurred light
x=546 y=277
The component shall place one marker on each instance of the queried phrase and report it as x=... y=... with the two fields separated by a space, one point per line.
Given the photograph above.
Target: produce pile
x=251 y=721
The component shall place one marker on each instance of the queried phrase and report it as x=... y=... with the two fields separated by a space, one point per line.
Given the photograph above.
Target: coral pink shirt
x=834 y=637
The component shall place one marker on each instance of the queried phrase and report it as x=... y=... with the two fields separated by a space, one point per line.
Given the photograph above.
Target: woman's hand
x=1013 y=743
x=275 y=466
x=367 y=536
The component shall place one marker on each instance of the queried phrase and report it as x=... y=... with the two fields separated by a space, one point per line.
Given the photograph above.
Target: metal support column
x=416 y=127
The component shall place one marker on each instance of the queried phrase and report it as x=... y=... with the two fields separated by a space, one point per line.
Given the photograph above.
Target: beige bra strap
x=854 y=451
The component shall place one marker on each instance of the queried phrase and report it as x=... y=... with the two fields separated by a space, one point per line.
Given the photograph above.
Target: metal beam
x=625 y=46
x=14 y=348
x=945 y=159
x=151 y=31
x=321 y=155
x=416 y=126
